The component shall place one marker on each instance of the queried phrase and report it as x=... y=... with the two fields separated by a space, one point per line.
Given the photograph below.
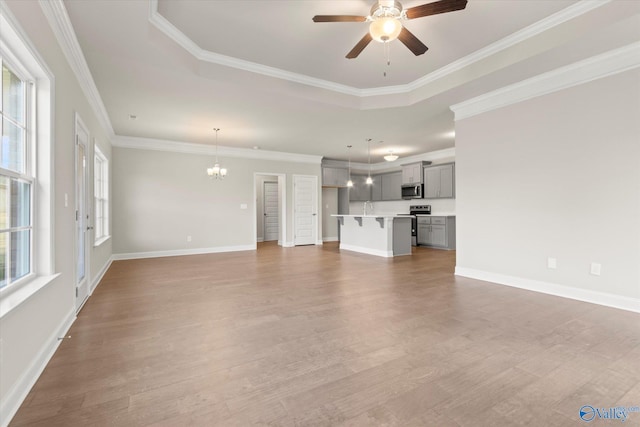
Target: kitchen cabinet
x=439 y=181
x=334 y=177
x=360 y=192
x=387 y=186
x=412 y=173
x=391 y=184
x=437 y=231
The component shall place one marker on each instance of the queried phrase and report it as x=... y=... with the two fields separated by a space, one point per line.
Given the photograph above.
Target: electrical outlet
x=551 y=263
x=188 y=238
x=243 y=206
x=596 y=268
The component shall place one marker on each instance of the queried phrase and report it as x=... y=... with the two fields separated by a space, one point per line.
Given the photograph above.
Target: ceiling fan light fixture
x=385 y=29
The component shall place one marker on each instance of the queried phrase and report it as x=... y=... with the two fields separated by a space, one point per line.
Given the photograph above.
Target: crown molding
x=58 y=19
x=573 y=11
x=596 y=67
x=190 y=148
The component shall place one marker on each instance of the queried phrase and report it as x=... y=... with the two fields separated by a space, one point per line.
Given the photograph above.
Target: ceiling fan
x=385 y=22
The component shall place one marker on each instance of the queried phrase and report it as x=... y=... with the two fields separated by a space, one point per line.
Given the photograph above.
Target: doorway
x=270 y=209
x=82 y=214
x=270 y=198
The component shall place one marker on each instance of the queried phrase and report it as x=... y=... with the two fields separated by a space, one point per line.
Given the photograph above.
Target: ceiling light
x=385 y=29
x=391 y=157
x=216 y=172
x=369 y=179
x=350 y=182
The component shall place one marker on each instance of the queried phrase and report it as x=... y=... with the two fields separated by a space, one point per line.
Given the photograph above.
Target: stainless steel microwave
x=412 y=191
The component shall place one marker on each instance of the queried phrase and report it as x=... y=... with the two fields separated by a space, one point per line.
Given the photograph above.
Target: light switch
x=596 y=268
x=551 y=263
x=243 y=206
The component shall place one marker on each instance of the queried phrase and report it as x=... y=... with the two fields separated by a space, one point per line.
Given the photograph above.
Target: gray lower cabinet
x=437 y=231
x=360 y=192
x=439 y=181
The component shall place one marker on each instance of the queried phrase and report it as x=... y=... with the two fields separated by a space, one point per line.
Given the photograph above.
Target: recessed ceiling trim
x=596 y=67
x=190 y=148
x=532 y=30
x=215 y=58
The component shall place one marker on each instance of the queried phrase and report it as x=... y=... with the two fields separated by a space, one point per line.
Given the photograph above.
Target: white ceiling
x=268 y=76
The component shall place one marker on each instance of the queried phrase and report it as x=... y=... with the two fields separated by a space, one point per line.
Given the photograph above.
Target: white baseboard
x=319 y=242
x=181 y=252
x=288 y=245
x=330 y=239
x=368 y=251
x=260 y=239
x=96 y=280
x=16 y=395
x=594 y=297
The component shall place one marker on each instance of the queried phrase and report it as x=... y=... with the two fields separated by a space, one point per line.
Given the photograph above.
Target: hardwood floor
x=313 y=337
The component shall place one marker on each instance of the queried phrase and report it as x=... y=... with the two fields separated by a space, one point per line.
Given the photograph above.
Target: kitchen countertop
x=438 y=214
x=373 y=216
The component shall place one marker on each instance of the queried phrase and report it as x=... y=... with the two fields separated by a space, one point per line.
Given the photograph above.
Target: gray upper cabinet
x=387 y=186
x=412 y=173
x=391 y=184
x=360 y=192
x=334 y=177
x=439 y=181
x=376 y=188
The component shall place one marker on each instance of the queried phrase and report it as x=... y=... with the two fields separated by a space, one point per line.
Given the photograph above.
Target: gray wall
x=555 y=176
x=162 y=197
x=29 y=332
x=329 y=207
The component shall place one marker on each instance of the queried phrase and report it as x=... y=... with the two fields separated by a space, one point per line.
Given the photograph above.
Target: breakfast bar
x=381 y=235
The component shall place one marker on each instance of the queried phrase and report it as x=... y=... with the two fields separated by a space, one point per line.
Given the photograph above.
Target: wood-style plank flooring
x=312 y=336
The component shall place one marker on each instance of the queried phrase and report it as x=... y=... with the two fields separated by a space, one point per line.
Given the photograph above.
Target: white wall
x=29 y=332
x=554 y=176
x=163 y=197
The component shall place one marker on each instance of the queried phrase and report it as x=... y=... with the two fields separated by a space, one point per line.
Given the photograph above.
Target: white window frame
x=27 y=175
x=100 y=196
x=25 y=61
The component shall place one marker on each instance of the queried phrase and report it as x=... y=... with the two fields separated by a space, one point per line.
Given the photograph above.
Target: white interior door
x=305 y=209
x=271 y=225
x=82 y=215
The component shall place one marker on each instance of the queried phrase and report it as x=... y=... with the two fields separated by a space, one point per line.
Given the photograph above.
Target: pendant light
x=216 y=172
x=369 y=179
x=349 y=183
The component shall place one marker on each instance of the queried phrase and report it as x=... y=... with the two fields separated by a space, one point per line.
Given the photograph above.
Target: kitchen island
x=381 y=235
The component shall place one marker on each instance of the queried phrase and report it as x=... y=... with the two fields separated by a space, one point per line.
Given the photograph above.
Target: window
x=101 y=196
x=26 y=168
x=16 y=177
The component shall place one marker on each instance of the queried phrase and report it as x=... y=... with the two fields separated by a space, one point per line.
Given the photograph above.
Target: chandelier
x=216 y=172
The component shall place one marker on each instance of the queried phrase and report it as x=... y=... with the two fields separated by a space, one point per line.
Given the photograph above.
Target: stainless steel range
x=417 y=210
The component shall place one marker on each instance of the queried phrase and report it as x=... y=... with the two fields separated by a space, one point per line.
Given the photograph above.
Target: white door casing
x=305 y=209
x=271 y=225
x=81 y=214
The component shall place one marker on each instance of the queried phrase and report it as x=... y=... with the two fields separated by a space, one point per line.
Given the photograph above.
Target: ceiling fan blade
x=359 y=47
x=409 y=40
x=339 y=18
x=435 y=8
